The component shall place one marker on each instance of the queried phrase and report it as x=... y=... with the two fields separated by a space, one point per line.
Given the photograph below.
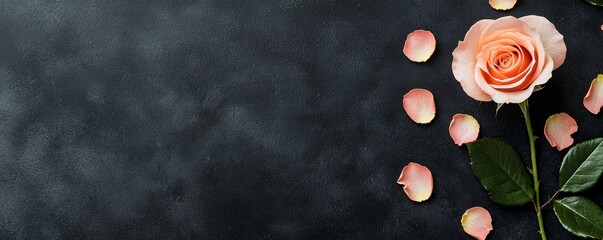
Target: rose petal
x=477 y=222
x=502 y=4
x=463 y=61
x=419 y=105
x=519 y=80
x=519 y=96
x=419 y=45
x=507 y=24
x=539 y=73
x=558 y=130
x=593 y=101
x=551 y=39
x=463 y=129
x=417 y=181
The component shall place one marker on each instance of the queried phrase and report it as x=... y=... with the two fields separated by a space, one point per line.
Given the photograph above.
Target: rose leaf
x=582 y=166
x=595 y=2
x=580 y=216
x=499 y=169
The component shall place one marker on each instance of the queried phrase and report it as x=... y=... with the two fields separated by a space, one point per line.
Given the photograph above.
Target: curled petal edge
x=558 y=130
x=463 y=129
x=417 y=181
x=477 y=222
x=419 y=45
x=419 y=104
x=593 y=101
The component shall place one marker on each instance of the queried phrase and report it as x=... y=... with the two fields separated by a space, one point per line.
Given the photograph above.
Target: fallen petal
x=558 y=130
x=419 y=105
x=463 y=129
x=417 y=181
x=419 y=45
x=593 y=101
x=502 y=4
x=477 y=222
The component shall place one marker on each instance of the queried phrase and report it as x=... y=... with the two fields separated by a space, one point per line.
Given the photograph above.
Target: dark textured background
x=257 y=119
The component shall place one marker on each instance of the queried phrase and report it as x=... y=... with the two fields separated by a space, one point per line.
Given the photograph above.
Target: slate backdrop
x=257 y=119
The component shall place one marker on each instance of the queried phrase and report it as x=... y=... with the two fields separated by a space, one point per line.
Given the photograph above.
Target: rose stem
x=526 y=114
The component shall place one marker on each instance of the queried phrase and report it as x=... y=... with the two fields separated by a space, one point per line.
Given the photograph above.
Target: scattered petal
x=417 y=181
x=558 y=130
x=463 y=129
x=593 y=101
x=601 y=27
x=477 y=222
x=502 y=4
x=419 y=105
x=419 y=45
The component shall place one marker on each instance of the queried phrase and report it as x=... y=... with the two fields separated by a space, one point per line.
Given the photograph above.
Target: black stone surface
x=260 y=119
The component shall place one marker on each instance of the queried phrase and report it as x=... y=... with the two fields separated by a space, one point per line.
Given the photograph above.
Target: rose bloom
x=503 y=60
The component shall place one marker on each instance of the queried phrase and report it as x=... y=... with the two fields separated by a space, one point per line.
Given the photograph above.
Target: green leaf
x=580 y=216
x=498 y=106
x=595 y=2
x=499 y=169
x=582 y=166
x=539 y=87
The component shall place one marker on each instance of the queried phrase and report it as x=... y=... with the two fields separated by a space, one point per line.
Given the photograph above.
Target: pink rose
x=503 y=60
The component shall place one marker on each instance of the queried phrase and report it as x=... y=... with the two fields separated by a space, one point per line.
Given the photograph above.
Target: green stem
x=526 y=113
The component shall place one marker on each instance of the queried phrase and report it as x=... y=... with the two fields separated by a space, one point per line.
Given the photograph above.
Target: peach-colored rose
x=503 y=60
